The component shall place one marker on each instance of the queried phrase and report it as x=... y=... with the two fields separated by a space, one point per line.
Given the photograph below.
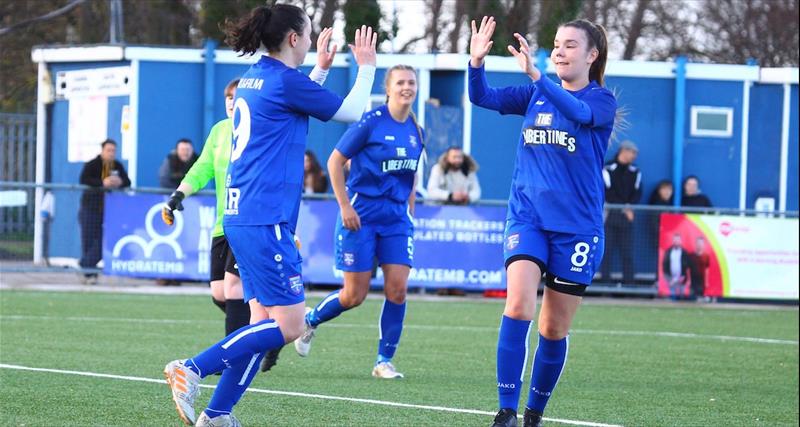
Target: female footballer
x=554 y=225
x=376 y=208
x=264 y=184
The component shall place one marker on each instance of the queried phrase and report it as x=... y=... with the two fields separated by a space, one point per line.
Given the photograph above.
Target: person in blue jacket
x=376 y=208
x=554 y=224
x=264 y=184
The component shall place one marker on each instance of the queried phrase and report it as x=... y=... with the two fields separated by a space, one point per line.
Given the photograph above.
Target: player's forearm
x=336 y=174
x=353 y=104
x=567 y=104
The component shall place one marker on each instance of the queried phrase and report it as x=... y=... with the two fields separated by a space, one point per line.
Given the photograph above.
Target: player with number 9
x=264 y=185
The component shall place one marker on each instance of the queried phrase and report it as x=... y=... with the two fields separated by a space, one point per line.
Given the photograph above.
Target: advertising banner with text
x=454 y=246
x=746 y=257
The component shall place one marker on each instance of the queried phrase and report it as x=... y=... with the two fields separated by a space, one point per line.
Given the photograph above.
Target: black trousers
x=91 y=222
x=619 y=240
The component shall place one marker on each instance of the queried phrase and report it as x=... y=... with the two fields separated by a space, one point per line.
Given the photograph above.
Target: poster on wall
x=728 y=256
x=87 y=127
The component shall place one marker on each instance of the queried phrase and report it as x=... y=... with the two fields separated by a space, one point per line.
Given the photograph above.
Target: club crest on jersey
x=512 y=241
x=544 y=119
x=296 y=284
x=412 y=140
x=401 y=151
x=348 y=258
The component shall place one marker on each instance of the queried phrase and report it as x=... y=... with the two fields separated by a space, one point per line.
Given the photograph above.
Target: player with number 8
x=554 y=225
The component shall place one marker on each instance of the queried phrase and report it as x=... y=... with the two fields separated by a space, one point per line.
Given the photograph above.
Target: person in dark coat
x=692 y=197
x=623 y=182
x=102 y=173
x=177 y=164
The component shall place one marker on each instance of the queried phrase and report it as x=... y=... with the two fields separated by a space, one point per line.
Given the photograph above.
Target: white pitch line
x=666 y=334
x=298 y=394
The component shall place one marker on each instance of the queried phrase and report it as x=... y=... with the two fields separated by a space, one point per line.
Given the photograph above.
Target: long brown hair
x=597 y=38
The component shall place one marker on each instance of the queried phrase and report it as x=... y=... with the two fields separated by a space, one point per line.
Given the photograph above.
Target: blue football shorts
x=269 y=263
x=387 y=233
x=570 y=258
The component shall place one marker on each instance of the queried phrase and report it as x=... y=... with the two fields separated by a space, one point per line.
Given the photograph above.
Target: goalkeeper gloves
x=173 y=204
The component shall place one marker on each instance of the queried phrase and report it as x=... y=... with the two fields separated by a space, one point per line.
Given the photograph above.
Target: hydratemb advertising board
x=454 y=246
x=748 y=257
x=137 y=243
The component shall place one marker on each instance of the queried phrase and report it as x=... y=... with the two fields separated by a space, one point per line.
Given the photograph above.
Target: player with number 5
x=264 y=184
x=554 y=225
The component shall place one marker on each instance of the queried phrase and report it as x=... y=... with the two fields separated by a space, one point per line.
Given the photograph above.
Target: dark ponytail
x=265 y=26
x=596 y=35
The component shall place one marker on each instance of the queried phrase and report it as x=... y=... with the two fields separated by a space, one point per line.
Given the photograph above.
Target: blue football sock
x=512 y=353
x=240 y=345
x=548 y=363
x=327 y=309
x=232 y=384
x=391 y=327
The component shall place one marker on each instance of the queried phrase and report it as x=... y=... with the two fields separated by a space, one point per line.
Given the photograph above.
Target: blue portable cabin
x=734 y=126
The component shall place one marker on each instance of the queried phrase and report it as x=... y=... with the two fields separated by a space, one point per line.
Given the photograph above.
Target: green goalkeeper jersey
x=213 y=163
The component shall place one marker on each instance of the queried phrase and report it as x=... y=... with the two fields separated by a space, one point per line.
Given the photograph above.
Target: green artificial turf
x=647 y=364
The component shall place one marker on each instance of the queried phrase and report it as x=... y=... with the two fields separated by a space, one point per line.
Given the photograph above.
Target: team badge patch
x=412 y=140
x=512 y=241
x=544 y=119
x=348 y=258
x=296 y=284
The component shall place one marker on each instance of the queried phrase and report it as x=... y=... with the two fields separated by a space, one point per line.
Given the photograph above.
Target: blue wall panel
x=647 y=106
x=715 y=161
x=170 y=107
x=448 y=87
x=764 y=144
x=792 y=178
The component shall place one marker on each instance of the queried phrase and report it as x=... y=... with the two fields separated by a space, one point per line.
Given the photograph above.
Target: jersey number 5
x=241 y=129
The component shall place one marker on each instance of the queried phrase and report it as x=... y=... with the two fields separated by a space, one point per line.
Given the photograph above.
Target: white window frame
x=698 y=109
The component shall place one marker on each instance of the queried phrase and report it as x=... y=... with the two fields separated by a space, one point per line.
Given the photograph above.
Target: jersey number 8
x=241 y=130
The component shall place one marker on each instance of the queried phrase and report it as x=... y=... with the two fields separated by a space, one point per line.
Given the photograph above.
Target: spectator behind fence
x=314 y=178
x=676 y=266
x=623 y=182
x=692 y=197
x=102 y=172
x=177 y=163
x=700 y=263
x=454 y=178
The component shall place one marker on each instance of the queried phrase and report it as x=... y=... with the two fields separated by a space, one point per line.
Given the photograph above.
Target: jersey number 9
x=241 y=130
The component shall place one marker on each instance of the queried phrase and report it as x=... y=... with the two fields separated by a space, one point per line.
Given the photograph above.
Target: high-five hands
x=524 y=58
x=480 y=43
x=364 y=46
x=325 y=55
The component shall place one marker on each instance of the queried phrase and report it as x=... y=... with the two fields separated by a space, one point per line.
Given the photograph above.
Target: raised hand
x=364 y=46
x=325 y=55
x=524 y=58
x=481 y=41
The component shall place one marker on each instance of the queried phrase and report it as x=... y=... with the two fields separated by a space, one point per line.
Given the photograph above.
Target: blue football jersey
x=384 y=155
x=557 y=183
x=270 y=125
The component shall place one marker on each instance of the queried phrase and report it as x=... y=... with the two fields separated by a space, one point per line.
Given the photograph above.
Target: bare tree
x=764 y=30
